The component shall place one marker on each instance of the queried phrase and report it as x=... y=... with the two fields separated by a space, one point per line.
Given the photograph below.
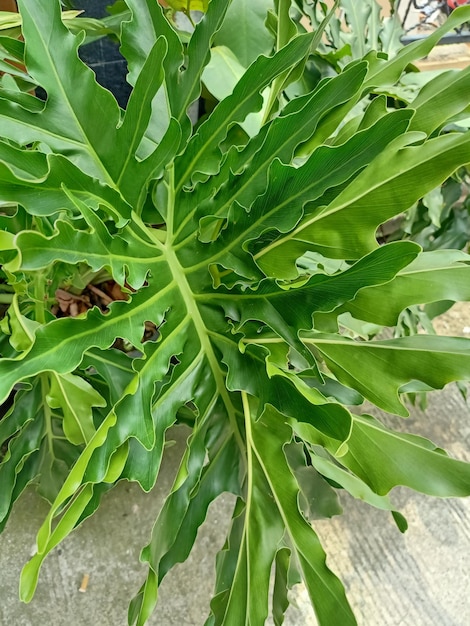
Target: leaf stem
x=152 y=235
x=39 y=297
x=262 y=342
x=45 y=385
x=187 y=12
x=249 y=450
x=170 y=210
x=283 y=21
x=282 y=38
x=203 y=335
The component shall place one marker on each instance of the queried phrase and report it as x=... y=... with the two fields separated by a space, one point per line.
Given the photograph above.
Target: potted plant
x=158 y=272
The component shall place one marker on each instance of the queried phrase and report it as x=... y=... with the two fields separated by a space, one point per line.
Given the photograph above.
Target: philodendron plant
x=243 y=248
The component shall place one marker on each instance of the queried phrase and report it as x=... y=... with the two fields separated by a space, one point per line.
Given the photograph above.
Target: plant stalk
x=282 y=38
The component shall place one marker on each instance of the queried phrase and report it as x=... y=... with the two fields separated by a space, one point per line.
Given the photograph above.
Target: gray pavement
x=421 y=578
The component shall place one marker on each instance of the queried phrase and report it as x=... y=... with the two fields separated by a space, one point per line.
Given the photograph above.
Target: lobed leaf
x=75 y=397
x=326 y=593
x=345 y=228
x=322 y=176
x=283 y=308
x=378 y=369
x=39 y=185
x=431 y=277
x=246 y=98
x=406 y=459
x=196 y=486
x=65 y=125
x=247 y=170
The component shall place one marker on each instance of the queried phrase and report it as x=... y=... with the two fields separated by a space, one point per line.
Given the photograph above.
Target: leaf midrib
x=189 y=299
x=285 y=519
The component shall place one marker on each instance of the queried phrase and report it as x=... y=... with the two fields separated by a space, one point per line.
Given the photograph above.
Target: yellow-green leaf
x=188 y=5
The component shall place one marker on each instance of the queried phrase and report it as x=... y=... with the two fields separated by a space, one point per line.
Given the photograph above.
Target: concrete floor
x=421 y=578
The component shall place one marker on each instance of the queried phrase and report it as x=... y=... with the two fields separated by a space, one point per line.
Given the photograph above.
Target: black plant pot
x=103 y=56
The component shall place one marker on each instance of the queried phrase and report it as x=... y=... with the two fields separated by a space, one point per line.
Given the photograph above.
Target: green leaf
x=235 y=248
x=95 y=247
x=138 y=37
x=197 y=484
x=317 y=498
x=95 y=143
x=113 y=366
x=354 y=485
x=405 y=460
x=257 y=533
x=357 y=16
x=75 y=397
x=243 y=30
x=323 y=175
x=245 y=99
x=248 y=169
x=29 y=575
x=222 y=72
x=36 y=448
x=65 y=125
x=20 y=329
x=39 y=185
x=221 y=75
x=286 y=309
x=22 y=431
x=330 y=422
x=52 y=468
x=386 y=72
x=432 y=276
x=125 y=170
x=188 y=86
x=326 y=593
x=345 y=228
x=434 y=107
x=377 y=369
